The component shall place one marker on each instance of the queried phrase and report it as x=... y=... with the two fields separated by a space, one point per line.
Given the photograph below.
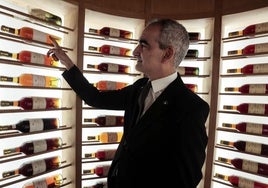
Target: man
x=164 y=145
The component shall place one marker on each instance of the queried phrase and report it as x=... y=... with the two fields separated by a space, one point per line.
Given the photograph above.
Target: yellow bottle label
x=260 y=48
x=254 y=128
x=250 y=166
x=245 y=183
x=256 y=108
x=253 y=147
x=257 y=88
x=263 y=27
x=260 y=68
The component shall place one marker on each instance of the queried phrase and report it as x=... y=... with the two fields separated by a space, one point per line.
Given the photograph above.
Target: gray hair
x=173 y=34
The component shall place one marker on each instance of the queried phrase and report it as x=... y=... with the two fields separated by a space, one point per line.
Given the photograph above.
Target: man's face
x=148 y=53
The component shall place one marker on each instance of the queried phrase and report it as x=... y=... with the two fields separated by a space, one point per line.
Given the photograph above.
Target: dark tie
x=144 y=92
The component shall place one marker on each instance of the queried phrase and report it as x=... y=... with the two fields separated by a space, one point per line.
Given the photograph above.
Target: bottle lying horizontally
x=33 y=125
x=107 y=120
x=251 y=69
x=34 y=103
x=46 y=16
x=249 y=88
x=251 y=49
x=35 y=167
x=106 y=137
x=101 y=170
x=251 y=30
x=112 y=50
x=112 y=32
x=36 y=146
x=47 y=182
x=249 y=108
x=248 y=127
x=31 y=57
x=33 y=80
x=110 y=67
x=102 y=154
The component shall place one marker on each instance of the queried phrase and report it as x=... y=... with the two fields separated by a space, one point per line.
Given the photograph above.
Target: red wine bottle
x=251 y=30
x=248 y=108
x=107 y=120
x=192 y=53
x=246 y=127
x=250 y=147
x=110 y=67
x=112 y=32
x=109 y=49
x=251 y=69
x=104 y=154
x=250 y=88
x=101 y=170
x=247 y=165
x=36 y=146
x=33 y=125
x=35 y=167
x=47 y=182
x=250 y=49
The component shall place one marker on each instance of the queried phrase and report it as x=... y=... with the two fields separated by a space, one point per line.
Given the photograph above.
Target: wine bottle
x=194 y=35
x=33 y=80
x=98 y=185
x=33 y=125
x=192 y=87
x=112 y=32
x=192 y=53
x=246 y=165
x=107 y=120
x=188 y=70
x=250 y=49
x=35 y=167
x=33 y=103
x=47 y=16
x=110 y=85
x=246 y=127
x=251 y=30
x=47 y=182
x=251 y=69
x=250 y=88
x=249 y=108
x=30 y=34
x=107 y=137
x=105 y=154
x=101 y=170
x=109 y=49
x=36 y=146
x=241 y=182
x=31 y=57
x=110 y=67
x=251 y=147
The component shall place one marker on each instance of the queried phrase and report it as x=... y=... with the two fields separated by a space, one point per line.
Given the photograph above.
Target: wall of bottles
x=35 y=155
x=240 y=157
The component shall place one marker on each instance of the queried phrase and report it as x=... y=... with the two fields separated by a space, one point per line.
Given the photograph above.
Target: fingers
x=54 y=42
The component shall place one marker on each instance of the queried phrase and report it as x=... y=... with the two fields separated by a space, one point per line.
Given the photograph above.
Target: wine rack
x=16 y=14
x=231 y=23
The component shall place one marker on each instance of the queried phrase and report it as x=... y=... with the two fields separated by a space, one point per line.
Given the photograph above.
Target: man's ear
x=168 y=54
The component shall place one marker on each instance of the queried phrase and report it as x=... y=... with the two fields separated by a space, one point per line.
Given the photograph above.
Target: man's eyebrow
x=143 y=41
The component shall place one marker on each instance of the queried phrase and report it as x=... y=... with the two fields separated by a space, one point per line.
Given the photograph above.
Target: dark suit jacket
x=166 y=146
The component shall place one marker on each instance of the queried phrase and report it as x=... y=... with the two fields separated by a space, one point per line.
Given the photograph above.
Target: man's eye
x=143 y=45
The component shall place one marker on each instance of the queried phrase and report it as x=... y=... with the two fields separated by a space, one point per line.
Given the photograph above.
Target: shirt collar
x=162 y=83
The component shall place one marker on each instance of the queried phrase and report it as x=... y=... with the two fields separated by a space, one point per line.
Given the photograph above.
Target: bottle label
x=114 y=32
x=114 y=50
x=111 y=85
x=105 y=170
x=36 y=125
x=39 y=81
x=257 y=88
x=260 y=68
x=39 y=146
x=39 y=103
x=113 y=68
x=109 y=154
x=254 y=128
x=112 y=137
x=260 y=48
x=253 y=147
x=250 y=166
x=256 y=108
x=40 y=184
x=263 y=27
x=37 y=58
x=110 y=120
x=245 y=183
x=39 y=36
x=39 y=167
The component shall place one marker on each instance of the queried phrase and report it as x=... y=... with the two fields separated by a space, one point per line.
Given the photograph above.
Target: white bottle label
x=39 y=167
x=40 y=184
x=39 y=146
x=263 y=27
x=39 y=36
x=39 y=81
x=253 y=148
x=113 y=68
x=114 y=50
x=39 y=103
x=245 y=183
x=114 y=32
x=36 y=125
x=110 y=85
x=254 y=128
x=260 y=68
x=256 y=108
x=110 y=120
x=37 y=58
x=250 y=166
x=257 y=88
x=260 y=48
